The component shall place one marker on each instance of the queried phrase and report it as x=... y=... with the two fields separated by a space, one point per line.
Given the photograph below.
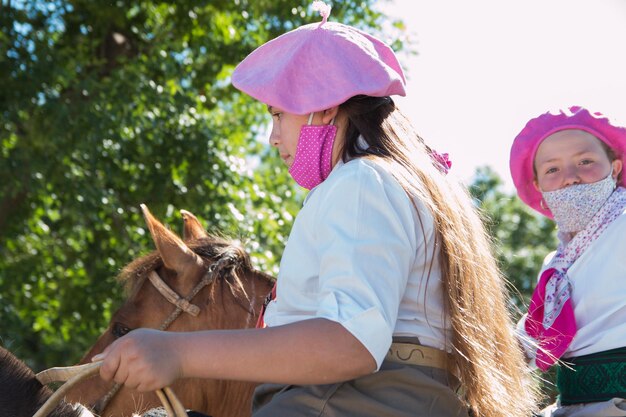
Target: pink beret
x=318 y=66
x=528 y=140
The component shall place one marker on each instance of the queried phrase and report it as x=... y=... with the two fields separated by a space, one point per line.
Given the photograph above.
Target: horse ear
x=192 y=227
x=175 y=254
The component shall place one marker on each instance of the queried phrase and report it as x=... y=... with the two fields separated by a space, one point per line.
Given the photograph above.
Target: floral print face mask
x=575 y=205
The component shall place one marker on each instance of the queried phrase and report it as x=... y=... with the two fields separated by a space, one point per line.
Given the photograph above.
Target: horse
x=21 y=394
x=221 y=290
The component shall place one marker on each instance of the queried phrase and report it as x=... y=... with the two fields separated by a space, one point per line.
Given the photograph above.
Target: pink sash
x=550 y=318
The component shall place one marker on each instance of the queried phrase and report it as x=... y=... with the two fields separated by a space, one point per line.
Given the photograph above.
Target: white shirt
x=359 y=255
x=598 y=279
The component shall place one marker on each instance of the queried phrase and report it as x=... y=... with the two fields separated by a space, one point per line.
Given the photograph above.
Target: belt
x=592 y=378
x=412 y=354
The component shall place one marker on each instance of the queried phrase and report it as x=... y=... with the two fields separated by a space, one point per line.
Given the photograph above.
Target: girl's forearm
x=316 y=351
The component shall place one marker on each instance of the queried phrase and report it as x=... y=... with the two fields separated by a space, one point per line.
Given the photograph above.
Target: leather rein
x=72 y=375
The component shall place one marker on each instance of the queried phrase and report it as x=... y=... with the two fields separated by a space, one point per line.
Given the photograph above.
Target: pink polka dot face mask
x=313 y=161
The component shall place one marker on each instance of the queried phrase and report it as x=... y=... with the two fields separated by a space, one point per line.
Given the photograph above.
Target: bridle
x=181 y=303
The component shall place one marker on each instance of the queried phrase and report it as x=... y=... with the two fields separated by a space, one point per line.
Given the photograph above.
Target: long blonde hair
x=491 y=367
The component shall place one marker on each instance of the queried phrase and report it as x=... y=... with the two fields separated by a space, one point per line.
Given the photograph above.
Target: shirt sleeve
x=366 y=244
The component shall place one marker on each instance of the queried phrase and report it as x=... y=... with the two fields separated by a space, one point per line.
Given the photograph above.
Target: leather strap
x=72 y=375
x=171 y=296
x=412 y=354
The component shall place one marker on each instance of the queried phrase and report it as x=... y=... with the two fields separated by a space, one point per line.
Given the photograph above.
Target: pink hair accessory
x=319 y=66
x=536 y=130
x=443 y=162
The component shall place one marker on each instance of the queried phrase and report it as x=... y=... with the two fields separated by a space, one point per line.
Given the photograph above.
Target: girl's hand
x=144 y=360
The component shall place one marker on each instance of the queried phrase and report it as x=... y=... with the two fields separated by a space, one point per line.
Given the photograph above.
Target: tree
x=106 y=105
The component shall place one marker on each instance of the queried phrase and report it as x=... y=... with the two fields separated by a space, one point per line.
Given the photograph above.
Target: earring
x=541 y=203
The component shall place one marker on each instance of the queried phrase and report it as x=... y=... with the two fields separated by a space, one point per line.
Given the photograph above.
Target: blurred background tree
x=106 y=105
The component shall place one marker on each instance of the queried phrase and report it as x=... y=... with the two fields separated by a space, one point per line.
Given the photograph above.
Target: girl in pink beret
x=568 y=166
x=388 y=300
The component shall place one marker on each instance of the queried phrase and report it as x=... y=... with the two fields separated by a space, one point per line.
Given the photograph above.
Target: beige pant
x=612 y=408
x=396 y=390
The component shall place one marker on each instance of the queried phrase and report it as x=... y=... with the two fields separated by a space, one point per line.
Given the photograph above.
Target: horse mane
x=228 y=255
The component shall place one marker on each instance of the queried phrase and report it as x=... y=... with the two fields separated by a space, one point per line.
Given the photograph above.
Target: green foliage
x=106 y=105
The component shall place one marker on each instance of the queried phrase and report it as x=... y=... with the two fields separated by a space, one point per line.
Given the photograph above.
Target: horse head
x=195 y=283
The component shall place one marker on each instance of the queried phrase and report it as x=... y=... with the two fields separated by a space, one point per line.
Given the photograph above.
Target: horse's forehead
x=210 y=249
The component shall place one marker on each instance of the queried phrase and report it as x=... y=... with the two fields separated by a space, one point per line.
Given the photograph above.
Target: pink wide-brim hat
x=528 y=140
x=318 y=66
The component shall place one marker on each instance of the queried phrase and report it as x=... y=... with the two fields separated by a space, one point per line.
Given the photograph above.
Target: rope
x=74 y=374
